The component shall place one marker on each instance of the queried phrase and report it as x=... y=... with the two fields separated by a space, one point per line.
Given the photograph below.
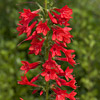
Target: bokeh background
x=86 y=32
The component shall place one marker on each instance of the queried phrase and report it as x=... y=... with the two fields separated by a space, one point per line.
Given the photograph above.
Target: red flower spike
x=27 y=66
x=41 y=92
x=68 y=73
x=42 y=28
x=51 y=70
x=52 y=18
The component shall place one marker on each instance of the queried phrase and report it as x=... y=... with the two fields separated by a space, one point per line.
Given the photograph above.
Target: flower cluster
x=53 y=34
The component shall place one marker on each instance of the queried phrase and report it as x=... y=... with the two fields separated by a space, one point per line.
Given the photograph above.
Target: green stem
x=46 y=57
x=46 y=53
x=45 y=4
x=45 y=8
x=47 y=90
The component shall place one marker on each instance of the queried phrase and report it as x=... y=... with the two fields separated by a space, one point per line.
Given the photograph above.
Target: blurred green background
x=86 y=32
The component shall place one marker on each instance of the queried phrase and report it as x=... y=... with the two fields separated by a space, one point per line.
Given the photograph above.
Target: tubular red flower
x=60 y=94
x=27 y=66
x=41 y=92
x=42 y=28
x=50 y=74
x=21 y=99
x=61 y=34
x=21 y=29
x=52 y=18
x=55 y=49
x=24 y=81
x=34 y=91
x=36 y=46
x=27 y=16
x=65 y=12
x=29 y=29
x=68 y=73
x=71 y=95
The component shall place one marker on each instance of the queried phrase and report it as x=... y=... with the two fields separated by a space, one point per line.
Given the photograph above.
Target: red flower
x=58 y=33
x=60 y=94
x=61 y=82
x=34 y=91
x=50 y=74
x=71 y=83
x=61 y=33
x=64 y=83
x=71 y=95
x=34 y=34
x=41 y=92
x=69 y=60
x=36 y=46
x=21 y=99
x=61 y=21
x=24 y=81
x=65 y=12
x=50 y=64
x=52 y=18
x=68 y=53
x=68 y=73
x=27 y=16
x=56 y=15
x=27 y=66
x=29 y=29
x=55 y=49
x=21 y=29
x=35 y=78
x=42 y=28
x=61 y=44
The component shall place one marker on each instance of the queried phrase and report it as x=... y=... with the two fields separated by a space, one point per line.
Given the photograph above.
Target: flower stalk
x=46 y=53
x=46 y=9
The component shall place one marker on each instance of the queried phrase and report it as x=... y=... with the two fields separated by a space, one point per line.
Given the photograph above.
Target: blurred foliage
x=86 y=29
